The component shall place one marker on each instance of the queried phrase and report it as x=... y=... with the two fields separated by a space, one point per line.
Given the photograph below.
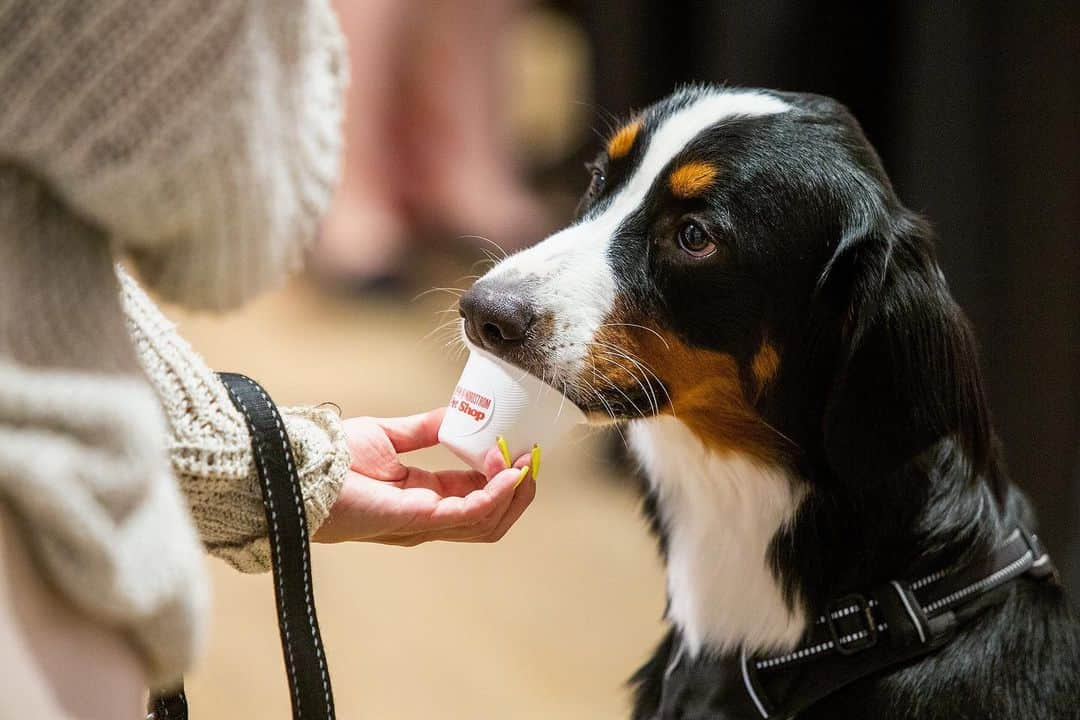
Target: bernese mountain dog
x=744 y=291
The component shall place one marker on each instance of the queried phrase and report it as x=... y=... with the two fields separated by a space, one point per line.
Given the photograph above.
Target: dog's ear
x=907 y=374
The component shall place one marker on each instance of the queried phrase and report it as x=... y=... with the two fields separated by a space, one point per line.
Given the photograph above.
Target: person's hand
x=385 y=501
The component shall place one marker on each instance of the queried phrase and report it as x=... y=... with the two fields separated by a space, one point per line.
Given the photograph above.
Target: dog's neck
x=718 y=512
x=730 y=524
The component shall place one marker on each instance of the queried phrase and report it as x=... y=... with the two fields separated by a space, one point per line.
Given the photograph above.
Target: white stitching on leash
x=304 y=553
x=275 y=532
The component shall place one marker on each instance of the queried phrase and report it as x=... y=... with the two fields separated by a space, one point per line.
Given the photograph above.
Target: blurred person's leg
x=362 y=236
x=461 y=177
x=56 y=662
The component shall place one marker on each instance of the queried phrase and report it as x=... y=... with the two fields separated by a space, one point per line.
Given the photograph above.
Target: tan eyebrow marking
x=622 y=141
x=691 y=179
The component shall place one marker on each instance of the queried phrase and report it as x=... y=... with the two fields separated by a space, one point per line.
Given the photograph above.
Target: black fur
x=879 y=393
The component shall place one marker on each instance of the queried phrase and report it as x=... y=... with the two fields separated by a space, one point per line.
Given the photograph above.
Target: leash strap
x=894 y=623
x=290 y=555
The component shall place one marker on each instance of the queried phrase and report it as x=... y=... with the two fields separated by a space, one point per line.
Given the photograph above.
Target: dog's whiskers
x=606 y=116
x=449 y=326
x=646 y=371
x=453 y=291
x=592 y=391
x=612 y=354
x=490 y=259
x=489 y=241
x=660 y=337
x=770 y=426
x=614 y=360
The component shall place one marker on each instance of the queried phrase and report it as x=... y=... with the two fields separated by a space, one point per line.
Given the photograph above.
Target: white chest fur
x=720 y=512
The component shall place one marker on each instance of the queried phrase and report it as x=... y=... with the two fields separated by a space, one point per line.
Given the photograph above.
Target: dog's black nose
x=496 y=318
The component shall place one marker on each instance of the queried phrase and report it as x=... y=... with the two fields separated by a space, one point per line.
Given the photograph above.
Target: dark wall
x=975 y=108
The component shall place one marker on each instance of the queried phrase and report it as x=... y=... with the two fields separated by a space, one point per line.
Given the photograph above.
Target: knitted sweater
x=210 y=448
x=200 y=139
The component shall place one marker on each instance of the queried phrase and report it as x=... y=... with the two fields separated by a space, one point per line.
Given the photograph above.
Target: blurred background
x=470 y=120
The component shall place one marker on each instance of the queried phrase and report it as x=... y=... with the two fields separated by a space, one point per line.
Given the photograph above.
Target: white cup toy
x=494 y=398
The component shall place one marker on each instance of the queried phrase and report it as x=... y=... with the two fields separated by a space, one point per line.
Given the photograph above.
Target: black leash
x=863 y=634
x=301 y=643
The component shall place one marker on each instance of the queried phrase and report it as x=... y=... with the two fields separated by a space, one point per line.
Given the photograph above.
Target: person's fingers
x=458 y=483
x=478 y=513
x=511 y=499
x=494 y=461
x=457 y=505
x=366 y=509
x=371 y=452
x=524 y=492
x=523 y=497
x=507 y=506
x=504 y=450
x=413 y=432
x=506 y=485
x=472 y=512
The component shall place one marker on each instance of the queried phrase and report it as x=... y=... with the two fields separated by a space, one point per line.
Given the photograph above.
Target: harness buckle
x=1041 y=565
x=858 y=639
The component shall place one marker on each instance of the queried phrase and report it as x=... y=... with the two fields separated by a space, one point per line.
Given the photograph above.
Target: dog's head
x=740 y=260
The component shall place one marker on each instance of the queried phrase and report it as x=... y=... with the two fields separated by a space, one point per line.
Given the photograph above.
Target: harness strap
x=861 y=634
x=301 y=643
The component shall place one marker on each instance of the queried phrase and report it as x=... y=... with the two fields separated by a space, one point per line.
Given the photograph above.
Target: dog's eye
x=596 y=181
x=694 y=241
x=597 y=178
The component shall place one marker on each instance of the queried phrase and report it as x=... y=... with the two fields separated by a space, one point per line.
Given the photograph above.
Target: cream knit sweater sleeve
x=210 y=448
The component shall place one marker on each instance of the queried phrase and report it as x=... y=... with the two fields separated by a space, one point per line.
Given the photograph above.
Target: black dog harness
x=290 y=558
x=896 y=622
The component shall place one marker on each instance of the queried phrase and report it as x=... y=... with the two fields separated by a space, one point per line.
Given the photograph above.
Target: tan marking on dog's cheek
x=622 y=141
x=707 y=395
x=691 y=179
x=704 y=386
x=765 y=365
x=610 y=371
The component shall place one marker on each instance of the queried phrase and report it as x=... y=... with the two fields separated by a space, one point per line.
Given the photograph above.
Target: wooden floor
x=548 y=623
